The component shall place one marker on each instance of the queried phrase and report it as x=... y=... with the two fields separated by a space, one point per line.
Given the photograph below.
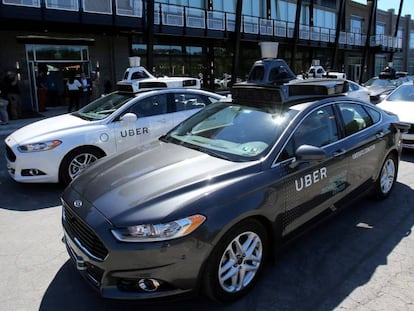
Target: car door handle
x=379 y=135
x=339 y=152
x=162 y=120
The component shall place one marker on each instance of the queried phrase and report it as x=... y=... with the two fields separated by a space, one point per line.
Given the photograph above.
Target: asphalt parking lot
x=362 y=259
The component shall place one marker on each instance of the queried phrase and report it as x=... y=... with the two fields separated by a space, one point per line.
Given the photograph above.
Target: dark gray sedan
x=205 y=206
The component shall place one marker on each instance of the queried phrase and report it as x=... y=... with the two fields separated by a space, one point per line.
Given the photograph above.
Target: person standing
x=13 y=95
x=85 y=91
x=41 y=85
x=73 y=85
x=4 y=115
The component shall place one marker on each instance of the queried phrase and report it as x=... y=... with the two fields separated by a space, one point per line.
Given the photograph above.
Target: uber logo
x=310 y=179
x=135 y=132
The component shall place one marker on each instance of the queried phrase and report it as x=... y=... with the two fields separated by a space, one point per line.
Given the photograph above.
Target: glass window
x=150 y=106
x=411 y=40
x=317 y=129
x=355 y=118
x=69 y=5
x=411 y=67
x=225 y=5
x=33 y=3
x=173 y=60
x=98 y=6
x=236 y=132
x=375 y=115
x=380 y=29
x=356 y=24
x=129 y=7
x=191 y=3
x=285 y=11
x=254 y=8
x=325 y=19
x=59 y=52
x=188 y=101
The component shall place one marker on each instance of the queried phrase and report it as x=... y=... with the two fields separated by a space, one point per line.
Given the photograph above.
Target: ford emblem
x=77 y=203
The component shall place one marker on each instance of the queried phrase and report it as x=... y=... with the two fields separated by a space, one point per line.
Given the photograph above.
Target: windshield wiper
x=82 y=116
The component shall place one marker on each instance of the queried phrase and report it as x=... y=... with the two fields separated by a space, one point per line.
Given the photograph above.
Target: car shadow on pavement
x=318 y=271
x=28 y=197
x=408 y=155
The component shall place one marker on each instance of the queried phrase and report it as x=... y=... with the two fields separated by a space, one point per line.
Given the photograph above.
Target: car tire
x=241 y=252
x=387 y=178
x=76 y=161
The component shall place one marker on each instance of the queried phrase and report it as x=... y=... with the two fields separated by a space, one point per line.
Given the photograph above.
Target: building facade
x=203 y=38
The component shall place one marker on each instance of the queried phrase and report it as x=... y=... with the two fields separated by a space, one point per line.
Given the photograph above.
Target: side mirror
x=308 y=154
x=128 y=118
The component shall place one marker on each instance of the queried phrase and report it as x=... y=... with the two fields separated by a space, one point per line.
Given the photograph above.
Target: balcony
x=385 y=42
x=131 y=13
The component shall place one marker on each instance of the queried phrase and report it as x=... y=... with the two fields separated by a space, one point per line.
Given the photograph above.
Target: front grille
x=10 y=154
x=94 y=274
x=78 y=230
x=411 y=129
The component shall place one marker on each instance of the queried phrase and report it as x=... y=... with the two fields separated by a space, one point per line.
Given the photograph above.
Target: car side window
x=354 y=117
x=318 y=129
x=353 y=87
x=150 y=106
x=187 y=101
x=375 y=115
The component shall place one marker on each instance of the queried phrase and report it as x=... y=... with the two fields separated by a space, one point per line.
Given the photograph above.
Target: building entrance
x=49 y=68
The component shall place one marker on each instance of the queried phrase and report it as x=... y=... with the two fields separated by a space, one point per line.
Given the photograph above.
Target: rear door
x=187 y=103
x=364 y=142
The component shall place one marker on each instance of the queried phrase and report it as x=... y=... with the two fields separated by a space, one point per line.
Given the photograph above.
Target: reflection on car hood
x=36 y=130
x=378 y=90
x=151 y=184
x=404 y=110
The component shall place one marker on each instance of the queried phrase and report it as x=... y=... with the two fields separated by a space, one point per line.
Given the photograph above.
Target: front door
x=311 y=188
x=153 y=120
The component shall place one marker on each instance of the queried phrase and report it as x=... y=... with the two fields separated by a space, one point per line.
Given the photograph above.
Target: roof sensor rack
x=138 y=79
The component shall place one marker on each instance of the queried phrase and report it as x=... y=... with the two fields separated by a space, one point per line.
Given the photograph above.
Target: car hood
x=404 y=110
x=39 y=130
x=378 y=90
x=151 y=184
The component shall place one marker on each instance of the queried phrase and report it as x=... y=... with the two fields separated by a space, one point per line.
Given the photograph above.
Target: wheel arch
x=270 y=229
x=392 y=152
x=260 y=220
x=76 y=149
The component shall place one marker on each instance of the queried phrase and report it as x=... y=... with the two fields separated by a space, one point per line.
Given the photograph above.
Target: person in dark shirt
x=13 y=95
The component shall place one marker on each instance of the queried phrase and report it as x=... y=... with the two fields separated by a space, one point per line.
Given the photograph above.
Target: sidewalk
x=16 y=124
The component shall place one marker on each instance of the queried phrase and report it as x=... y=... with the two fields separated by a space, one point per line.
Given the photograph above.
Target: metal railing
x=181 y=16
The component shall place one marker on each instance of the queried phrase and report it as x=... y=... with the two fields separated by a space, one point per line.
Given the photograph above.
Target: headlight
x=159 y=232
x=43 y=146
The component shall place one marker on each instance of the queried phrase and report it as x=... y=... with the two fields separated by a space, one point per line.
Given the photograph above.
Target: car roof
x=169 y=90
x=289 y=94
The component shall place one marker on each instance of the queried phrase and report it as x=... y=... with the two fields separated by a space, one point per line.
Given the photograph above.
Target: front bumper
x=115 y=274
x=407 y=140
x=32 y=167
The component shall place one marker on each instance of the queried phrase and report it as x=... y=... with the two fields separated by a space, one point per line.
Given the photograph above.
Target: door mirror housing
x=128 y=118
x=308 y=154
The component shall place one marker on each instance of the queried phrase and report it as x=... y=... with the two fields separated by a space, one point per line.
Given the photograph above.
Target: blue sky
x=408 y=6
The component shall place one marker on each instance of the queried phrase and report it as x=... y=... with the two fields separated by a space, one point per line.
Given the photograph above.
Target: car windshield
x=403 y=93
x=382 y=82
x=231 y=131
x=104 y=106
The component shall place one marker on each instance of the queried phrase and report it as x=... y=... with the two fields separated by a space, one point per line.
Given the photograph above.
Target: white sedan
x=401 y=102
x=358 y=91
x=57 y=149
